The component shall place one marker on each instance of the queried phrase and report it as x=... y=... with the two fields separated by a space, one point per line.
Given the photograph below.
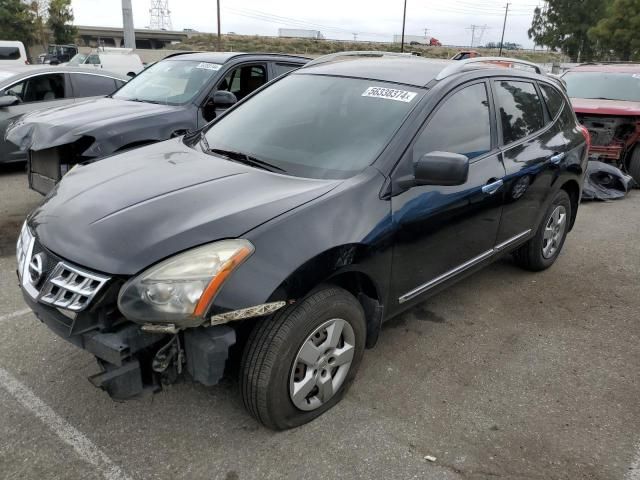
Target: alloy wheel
x=554 y=231
x=322 y=364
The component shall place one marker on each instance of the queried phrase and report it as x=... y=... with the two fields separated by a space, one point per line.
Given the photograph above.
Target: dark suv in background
x=290 y=228
x=178 y=94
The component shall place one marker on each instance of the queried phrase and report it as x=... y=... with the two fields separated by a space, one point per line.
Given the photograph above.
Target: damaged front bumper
x=133 y=361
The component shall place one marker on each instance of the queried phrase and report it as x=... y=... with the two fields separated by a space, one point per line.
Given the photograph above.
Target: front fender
x=348 y=229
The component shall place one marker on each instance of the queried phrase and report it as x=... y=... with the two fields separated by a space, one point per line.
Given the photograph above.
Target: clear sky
x=447 y=20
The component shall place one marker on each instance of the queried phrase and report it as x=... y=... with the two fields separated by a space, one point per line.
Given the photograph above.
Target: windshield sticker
x=209 y=66
x=389 y=94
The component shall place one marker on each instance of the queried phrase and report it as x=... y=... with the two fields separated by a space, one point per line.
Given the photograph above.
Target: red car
x=606 y=99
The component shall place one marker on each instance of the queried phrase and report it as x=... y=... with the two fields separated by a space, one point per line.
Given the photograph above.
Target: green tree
x=565 y=24
x=16 y=21
x=60 y=21
x=618 y=32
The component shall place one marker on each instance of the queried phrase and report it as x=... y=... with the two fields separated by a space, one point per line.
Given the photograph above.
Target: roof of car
x=223 y=57
x=608 y=67
x=406 y=69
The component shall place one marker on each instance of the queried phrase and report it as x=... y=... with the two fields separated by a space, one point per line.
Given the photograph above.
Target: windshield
x=170 y=82
x=78 y=59
x=316 y=126
x=603 y=85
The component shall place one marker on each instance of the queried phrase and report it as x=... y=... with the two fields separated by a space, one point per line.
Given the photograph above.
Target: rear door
x=44 y=91
x=533 y=146
x=444 y=230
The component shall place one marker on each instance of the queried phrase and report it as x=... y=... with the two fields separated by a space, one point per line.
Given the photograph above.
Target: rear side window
x=91 y=85
x=282 y=68
x=9 y=53
x=520 y=109
x=93 y=60
x=552 y=97
x=460 y=125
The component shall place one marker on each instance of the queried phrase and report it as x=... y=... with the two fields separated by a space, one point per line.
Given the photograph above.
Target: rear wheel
x=298 y=364
x=543 y=249
x=634 y=165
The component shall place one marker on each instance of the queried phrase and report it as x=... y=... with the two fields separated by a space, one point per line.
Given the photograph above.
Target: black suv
x=178 y=94
x=288 y=230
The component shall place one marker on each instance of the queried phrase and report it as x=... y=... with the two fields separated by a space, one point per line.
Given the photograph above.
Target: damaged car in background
x=606 y=99
x=284 y=244
x=176 y=95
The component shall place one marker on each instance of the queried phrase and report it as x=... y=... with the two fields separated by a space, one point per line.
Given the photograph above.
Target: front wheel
x=299 y=363
x=543 y=249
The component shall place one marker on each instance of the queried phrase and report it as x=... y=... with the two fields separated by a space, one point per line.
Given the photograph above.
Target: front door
x=442 y=231
x=38 y=92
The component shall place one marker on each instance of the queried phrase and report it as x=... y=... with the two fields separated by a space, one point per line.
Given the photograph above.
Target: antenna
x=160 y=15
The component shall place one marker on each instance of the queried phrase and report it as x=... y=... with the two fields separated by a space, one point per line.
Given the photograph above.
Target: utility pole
x=404 y=19
x=355 y=36
x=127 y=25
x=473 y=33
x=219 y=35
x=504 y=25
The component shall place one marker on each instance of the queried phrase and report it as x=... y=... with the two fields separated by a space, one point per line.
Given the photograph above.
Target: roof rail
x=461 y=65
x=356 y=53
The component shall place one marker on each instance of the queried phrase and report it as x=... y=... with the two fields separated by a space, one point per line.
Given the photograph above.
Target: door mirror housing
x=223 y=99
x=8 y=100
x=441 y=168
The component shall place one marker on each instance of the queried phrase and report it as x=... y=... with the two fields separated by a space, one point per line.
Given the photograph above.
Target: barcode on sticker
x=389 y=94
x=209 y=66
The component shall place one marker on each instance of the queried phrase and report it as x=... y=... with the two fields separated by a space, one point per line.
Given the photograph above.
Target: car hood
x=99 y=118
x=123 y=214
x=605 y=107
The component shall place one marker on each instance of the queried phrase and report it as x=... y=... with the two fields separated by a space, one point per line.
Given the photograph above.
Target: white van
x=13 y=53
x=116 y=60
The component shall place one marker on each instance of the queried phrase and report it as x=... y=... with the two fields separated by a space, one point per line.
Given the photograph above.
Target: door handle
x=491 y=188
x=556 y=158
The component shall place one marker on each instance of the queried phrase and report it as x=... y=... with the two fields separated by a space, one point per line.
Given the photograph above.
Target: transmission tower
x=160 y=15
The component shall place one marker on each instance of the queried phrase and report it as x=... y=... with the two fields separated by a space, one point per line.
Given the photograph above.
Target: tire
x=269 y=367
x=634 y=165
x=537 y=254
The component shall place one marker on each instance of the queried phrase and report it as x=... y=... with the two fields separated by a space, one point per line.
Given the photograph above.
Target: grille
x=70 y=287
x=51 y=280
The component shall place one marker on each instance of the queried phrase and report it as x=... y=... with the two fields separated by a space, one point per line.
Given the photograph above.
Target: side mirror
x=8 y=100
x=223 y=99
x=441 y=168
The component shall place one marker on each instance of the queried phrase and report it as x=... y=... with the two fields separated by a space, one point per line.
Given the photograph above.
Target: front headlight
x=180 y=290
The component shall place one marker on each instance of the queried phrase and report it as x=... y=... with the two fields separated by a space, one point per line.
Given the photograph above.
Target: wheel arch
x=573 y=190
x=341 y=266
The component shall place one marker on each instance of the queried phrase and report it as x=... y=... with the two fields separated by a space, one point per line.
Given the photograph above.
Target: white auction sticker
x=389 y=94
x=209 y=66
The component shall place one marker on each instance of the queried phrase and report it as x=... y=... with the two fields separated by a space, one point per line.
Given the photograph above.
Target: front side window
x=316 y=126
x=520 y=109
x=244 y=80
x=39 y=89
x=169 y=82
x=91 y=85
x=603 y=85
x=460 y=125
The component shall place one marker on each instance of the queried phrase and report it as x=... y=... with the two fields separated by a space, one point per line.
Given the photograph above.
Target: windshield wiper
x=242 y=157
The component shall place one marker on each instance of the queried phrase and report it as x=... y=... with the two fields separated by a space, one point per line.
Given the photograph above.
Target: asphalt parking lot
x=506 y=375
